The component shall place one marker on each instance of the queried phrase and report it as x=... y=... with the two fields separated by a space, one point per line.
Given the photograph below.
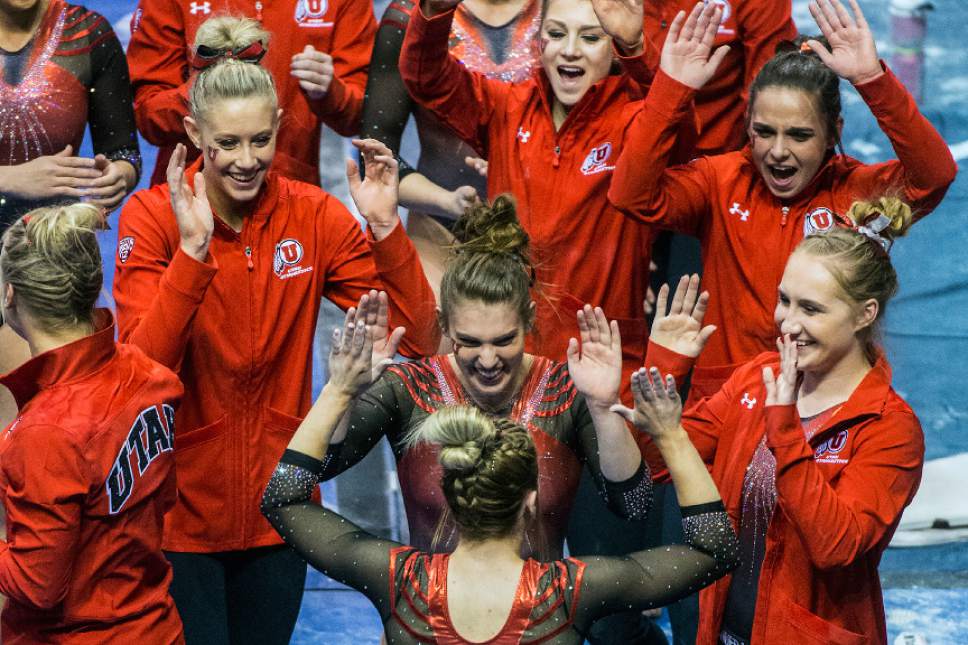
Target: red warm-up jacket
x=160 y=51
x=746 y=232
x=585 y=251
x=86 y=477
x=840 y=496
x=238 y=329
x=752 y=29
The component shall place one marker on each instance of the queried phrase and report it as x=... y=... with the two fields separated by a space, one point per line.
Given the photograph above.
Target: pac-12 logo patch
x=286 y=259
x=597 y=160
x=125 y=245
x=819 y=220
x=309 y=13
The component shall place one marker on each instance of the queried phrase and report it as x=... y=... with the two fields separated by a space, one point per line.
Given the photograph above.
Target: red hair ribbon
x=205 y=56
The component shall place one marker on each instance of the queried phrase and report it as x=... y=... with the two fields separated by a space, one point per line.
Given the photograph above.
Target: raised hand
x=350 y=358
x=852 y=54
x=687 y=54
x=658 y=408
x=373 y=311
x=376 y=196
x=314 y=71
x=192 y=210
x=680 y=328
x=783 y=389
x=622 y=20
x=596 y=367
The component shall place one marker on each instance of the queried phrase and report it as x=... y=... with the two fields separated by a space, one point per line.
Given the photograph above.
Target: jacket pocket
x=800 y=625
x=281 y=423
x=204 y=512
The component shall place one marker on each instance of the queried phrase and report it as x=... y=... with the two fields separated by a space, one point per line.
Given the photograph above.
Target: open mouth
x=782 y=175
x=490 y=376
x=804 y=343
x=570 y=72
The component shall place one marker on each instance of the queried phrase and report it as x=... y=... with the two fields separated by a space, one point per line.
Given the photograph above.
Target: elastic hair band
x=872 y=226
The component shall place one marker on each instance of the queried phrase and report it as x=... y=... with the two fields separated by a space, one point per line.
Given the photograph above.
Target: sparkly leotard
x=72 y=73
x=555 y=602
x=506 y=52
x=549 y=406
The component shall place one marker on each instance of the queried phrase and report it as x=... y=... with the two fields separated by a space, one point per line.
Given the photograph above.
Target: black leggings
x=238 y=597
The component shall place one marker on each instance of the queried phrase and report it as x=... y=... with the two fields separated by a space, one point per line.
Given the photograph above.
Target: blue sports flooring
x=926 y=589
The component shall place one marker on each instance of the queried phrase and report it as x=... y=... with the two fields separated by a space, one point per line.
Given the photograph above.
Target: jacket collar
x=265 y=202
x=66 y=363
x=871 y=395
x=599 y=96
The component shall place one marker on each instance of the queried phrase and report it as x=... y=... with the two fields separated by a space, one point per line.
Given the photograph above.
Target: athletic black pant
x=238 y=597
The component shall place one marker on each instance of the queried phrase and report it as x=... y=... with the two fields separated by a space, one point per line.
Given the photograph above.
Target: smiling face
x=238 y=141
x=789 y=138
x=489 y=352
x=575 y=51
x=818 y=315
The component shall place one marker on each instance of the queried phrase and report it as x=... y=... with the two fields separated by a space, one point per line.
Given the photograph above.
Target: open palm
x=679 y=327
x=597 y=368
x=621 y=19
x=687 y=54
x=373 y=312
x=852 y=54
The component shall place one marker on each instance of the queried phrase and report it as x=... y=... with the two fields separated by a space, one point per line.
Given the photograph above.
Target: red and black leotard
x=555 y=602
x=549 y=406
x=72 y=73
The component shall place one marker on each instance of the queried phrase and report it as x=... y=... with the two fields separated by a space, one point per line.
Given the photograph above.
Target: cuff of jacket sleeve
x=669 y=97
x=885 y=94
x=783 y=426
x=188 y=276
x=334 y=101
x=437 y=26
x=638 y=67
x=668 y=361
x=393 y=251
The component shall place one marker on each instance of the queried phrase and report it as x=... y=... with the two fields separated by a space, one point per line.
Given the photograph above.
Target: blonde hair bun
x=896 y=210
x=228 y=32
x=460 y=431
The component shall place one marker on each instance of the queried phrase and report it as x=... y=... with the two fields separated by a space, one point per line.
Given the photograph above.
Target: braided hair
x=489 y=465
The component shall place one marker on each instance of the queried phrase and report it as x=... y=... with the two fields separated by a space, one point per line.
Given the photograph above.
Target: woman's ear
x=531 y=503
x=440 y=320
x=840 y=132
x=193 y=132
x=532 y=313
x=867 y=314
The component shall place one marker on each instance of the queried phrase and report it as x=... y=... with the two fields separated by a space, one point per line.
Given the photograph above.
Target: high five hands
x=679 y=328
x=852 y=54
x=658 y=408
x=373 y=313
x=687 y=55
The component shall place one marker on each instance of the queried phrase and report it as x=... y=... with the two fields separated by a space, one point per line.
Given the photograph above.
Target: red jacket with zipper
x=839 y=499
x=86 y=477
x=238 y=329
x=160 y=52
x=752 y=29
x=747 y=233
x=585 y=251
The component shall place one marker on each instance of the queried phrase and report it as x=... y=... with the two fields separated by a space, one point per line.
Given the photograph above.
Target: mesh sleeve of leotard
x=110 y=109
x=629 y=499
x=327 y=541
x=387 y=105
x=662 y=575
x=378 y=412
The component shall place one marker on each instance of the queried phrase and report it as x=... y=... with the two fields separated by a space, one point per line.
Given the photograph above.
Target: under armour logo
x=200 y=7
x=747 y=401
x=736 y=210
x=523 y=135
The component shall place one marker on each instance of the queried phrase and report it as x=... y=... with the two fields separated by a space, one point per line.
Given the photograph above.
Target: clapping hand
x=687 y=54
x=596 y=367
x=109 y=189
x=373 y=312
x=377 y=195
x=852 y=54
x=658 y=409
x=680 y=328
x=783 y=389
x=192 y=210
